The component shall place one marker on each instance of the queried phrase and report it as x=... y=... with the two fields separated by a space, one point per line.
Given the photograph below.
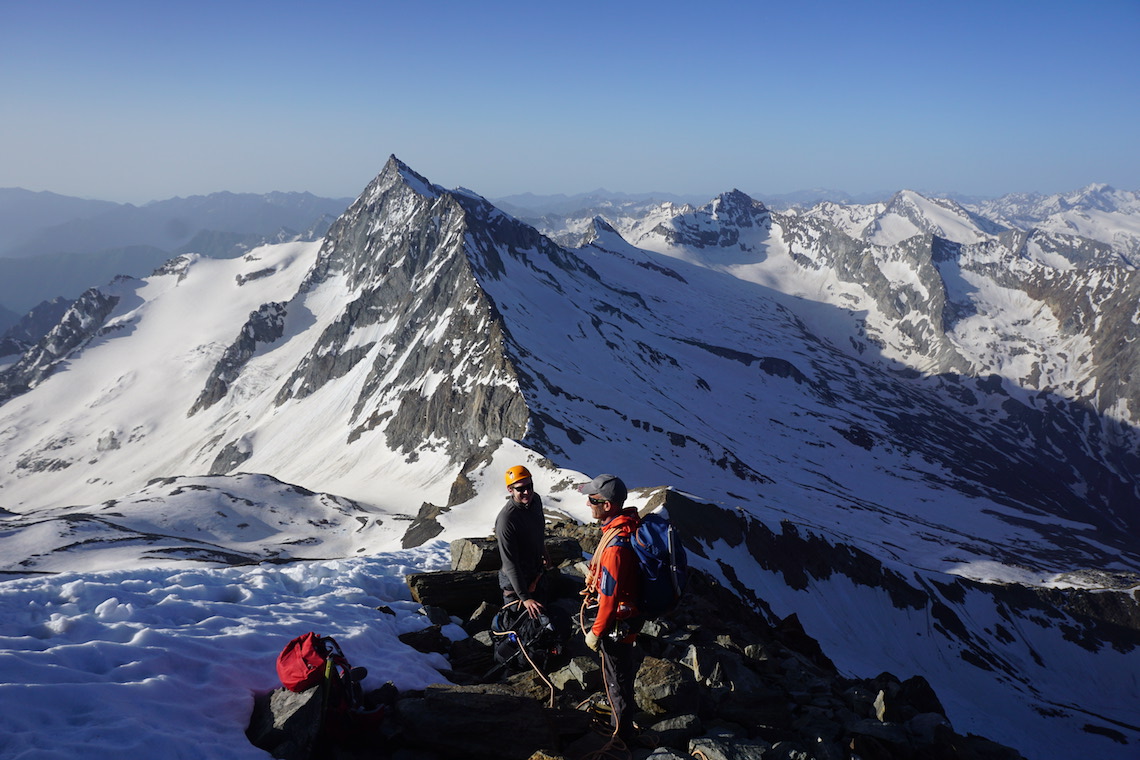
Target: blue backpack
x=664 y=564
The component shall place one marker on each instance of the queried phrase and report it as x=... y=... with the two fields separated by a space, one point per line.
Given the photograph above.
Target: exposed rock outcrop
x=716 y=678
x=80 y=322
x=265 y=325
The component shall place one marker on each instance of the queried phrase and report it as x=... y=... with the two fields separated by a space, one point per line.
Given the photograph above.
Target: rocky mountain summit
x=718 y=678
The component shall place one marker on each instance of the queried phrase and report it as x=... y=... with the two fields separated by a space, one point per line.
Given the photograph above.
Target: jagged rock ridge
x=413 y=276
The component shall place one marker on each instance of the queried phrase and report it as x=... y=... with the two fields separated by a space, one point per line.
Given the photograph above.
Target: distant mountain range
x=536 y=206
x=914 y=424
x=55 y=246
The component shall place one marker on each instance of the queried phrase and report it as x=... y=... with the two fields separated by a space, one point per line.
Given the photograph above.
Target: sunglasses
x=523 y=487
x=596 y=502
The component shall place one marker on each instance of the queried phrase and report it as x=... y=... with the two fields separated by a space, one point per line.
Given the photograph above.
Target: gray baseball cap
x=609 y=487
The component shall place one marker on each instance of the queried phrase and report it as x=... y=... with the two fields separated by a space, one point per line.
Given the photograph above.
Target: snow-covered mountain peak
x=396 y=172
x=602 y=233
x=735 y=207
x=1098 y=190
x=908 y=213
x=1098 y=196
x=728 y=231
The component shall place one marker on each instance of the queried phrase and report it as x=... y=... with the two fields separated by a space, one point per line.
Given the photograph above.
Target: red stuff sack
x=312 y=660
x=301 y=664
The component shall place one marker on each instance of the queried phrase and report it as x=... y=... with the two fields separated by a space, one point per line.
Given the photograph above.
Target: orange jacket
x=614 y=576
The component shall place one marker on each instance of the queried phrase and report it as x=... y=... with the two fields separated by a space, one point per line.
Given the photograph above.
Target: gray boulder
x=286 y=724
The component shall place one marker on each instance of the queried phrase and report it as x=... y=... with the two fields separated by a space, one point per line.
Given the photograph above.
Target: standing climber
x=612 y=590
x=521 y=532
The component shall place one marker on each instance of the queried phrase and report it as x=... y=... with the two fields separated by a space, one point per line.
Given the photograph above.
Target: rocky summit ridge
x=717 y=677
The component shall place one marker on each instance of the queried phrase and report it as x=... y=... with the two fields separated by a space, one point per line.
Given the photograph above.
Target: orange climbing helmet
x=516 y=473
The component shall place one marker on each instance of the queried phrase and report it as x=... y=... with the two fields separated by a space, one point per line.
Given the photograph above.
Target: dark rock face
x=462 y=592
x=230 y=457
x=264 y=325
x=80 y=322
x=33 y=326
x=474 y=576
x=477 y=721
x=425 y=527
x=400 y=250
x=475 y=554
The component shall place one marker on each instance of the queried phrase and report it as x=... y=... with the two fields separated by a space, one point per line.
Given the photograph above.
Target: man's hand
x=592 y=640
x=533 y=607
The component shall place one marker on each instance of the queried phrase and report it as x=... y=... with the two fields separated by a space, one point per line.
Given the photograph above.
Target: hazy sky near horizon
x=134 y=101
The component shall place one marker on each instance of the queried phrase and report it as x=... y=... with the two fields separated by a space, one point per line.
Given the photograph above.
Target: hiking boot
x=387 y=694
x=598 y=708
x=637 y=738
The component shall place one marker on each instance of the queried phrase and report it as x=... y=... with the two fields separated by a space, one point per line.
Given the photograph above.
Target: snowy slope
x=164 y=663
x=202 y=520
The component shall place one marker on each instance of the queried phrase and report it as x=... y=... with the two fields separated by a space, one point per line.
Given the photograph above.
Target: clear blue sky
x=139 y=101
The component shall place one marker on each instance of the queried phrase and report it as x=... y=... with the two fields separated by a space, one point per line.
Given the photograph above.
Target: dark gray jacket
x=521 y=532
